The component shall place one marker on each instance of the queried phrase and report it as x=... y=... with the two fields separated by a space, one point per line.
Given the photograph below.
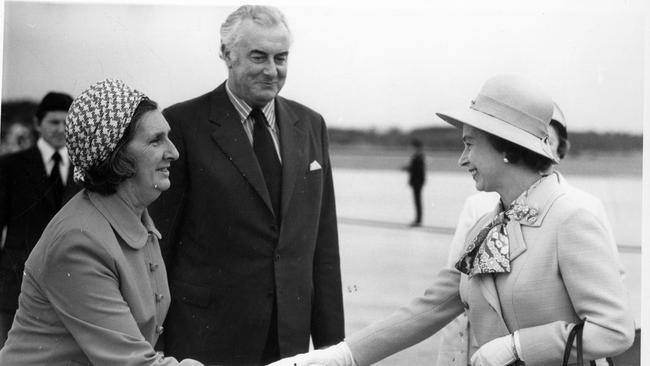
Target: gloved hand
x=189 y=362
x=337 y=355
x=497 y=352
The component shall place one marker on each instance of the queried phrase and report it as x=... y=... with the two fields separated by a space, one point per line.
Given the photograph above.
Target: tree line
x=433 y=138
x=448 y=139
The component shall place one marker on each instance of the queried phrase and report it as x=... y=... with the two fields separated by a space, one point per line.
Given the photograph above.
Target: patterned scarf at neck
x=489 y=252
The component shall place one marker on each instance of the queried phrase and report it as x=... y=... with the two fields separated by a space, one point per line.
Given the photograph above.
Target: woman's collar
x=132 y=229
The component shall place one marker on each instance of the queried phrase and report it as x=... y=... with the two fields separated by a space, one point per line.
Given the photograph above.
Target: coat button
x=159 y=297
x=153 y=266
x=159 y=329
x=277 y=257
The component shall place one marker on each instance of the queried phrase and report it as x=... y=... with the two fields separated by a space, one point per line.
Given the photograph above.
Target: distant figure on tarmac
x=417 y=174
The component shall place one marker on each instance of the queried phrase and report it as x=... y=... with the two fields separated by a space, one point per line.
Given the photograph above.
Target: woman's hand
x=338 y=355
x=497 y=352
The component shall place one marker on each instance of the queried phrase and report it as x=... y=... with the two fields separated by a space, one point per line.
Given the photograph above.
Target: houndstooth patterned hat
x=96 y=122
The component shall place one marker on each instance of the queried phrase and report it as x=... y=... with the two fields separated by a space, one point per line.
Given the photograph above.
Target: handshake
x=338 y=355
x=497 y=352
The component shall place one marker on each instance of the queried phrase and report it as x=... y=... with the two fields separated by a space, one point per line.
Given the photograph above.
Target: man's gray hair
x=261 y=14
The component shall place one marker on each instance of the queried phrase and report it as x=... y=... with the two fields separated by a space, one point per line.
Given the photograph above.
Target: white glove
x=338 y=355
x=497 y=352
x=189 y=362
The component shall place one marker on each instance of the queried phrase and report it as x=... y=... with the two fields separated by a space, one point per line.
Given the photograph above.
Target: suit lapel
x=229 y=135
x=293 y=143
x=35 y=170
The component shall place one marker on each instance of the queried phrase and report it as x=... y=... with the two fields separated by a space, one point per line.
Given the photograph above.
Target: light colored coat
x=94 y=290
x=561 y=272
x=455 y=340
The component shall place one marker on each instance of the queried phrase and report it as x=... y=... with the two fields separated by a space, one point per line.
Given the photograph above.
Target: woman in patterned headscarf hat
x=95 y=286
x=535 y=266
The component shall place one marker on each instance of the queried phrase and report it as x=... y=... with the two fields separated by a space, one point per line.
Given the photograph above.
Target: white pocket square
x=314 y=166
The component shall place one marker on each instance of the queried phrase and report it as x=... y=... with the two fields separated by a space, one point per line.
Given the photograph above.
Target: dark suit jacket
x=25 y=210
x=416 y=170
x=226 y=257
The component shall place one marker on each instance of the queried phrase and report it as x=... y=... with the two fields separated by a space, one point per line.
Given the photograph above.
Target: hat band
x=512 y=116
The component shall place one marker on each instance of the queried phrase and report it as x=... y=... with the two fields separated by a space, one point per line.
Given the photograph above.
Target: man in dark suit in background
x=417 y=172
x=34 y=184
x=249 y=225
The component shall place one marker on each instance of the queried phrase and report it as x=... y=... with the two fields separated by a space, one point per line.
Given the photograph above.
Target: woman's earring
x=155 y=186
x=505 y=160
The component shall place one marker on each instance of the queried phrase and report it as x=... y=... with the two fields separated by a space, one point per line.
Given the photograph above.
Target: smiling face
x=152 y=153
x=52 y=128
x=482 y=160
x=257 y=62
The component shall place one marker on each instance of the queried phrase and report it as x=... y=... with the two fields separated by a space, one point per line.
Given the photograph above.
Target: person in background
x=456 y=343
x=417 y=175
x=95 y=287
x=250 y=225
x=531 y=269
x=34 y=184
x=18 y=137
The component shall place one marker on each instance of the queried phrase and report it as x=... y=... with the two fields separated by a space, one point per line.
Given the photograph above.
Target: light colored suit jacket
x=455 y=348
x=94 y=292
x=561 y=272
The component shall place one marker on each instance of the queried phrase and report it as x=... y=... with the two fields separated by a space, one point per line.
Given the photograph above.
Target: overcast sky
x=390 y=65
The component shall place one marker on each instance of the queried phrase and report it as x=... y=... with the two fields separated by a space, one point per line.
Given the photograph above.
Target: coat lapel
x=231 y=138
x=516 y=239
x=489 y=292
x=293 y=143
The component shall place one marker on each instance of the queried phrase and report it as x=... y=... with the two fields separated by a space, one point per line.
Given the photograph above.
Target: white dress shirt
x=47 y=151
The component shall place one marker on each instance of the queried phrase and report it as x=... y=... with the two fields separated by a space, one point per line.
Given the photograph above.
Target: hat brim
x=500 y=129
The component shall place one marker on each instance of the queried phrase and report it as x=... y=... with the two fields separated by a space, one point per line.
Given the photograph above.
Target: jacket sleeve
x=601 y=215
x=411 y=324
x=4 y=198
x=80 y=280
x=167 y=210
x=596 y=291
x=327 y=325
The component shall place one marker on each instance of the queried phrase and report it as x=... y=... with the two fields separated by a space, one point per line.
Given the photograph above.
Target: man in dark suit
x=417 y=172
x=249 y=225
x=34 y=183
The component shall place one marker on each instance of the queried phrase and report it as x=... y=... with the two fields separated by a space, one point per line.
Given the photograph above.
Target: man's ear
x=226 y=55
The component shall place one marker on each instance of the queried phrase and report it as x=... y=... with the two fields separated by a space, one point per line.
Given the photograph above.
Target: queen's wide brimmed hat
x=512 y=108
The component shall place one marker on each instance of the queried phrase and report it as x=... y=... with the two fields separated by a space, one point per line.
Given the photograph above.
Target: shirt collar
x=132 y=229
x=47 y=151
x=244 y=109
